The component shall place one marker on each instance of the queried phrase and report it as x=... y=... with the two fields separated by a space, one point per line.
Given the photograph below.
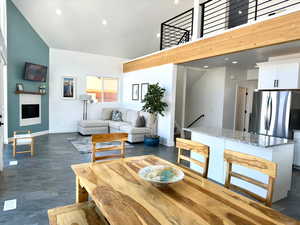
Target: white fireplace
x=30 y=109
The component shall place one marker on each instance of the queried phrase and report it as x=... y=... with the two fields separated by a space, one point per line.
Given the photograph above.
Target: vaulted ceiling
x=131 y=29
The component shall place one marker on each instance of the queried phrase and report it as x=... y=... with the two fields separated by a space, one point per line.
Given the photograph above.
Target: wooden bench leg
x=32 y=147
x=81 y=194
x=14 y=148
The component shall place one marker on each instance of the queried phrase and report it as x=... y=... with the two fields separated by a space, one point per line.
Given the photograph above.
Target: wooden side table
x=23 y=138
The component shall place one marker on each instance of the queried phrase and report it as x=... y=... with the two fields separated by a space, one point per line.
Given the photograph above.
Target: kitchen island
x=277 y=150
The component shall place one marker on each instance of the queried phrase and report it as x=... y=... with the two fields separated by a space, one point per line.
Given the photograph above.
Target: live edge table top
x=125 y=199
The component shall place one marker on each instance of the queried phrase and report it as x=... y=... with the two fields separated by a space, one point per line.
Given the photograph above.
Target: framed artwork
x=144 y=90
x=69 y=88
x=135 y=92
x=19 y=87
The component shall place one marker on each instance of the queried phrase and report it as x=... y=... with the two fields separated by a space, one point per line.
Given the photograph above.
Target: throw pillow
x=140 y=121
x=106 y=114
x=116 y=115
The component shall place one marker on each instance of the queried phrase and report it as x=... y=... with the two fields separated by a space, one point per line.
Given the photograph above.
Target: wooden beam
x=274 y=31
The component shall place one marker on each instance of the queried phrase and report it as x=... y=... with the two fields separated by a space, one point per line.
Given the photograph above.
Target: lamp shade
x=85 y=97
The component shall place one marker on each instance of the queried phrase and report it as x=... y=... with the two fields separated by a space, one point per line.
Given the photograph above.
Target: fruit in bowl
x=161 y=174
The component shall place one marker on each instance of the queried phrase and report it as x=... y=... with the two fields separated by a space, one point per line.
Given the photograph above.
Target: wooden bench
x=85 y=213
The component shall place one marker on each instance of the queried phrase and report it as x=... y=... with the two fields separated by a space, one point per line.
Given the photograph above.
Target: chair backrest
x=252 y=162
x=102 y=138
x=192 y=146
x=22 y=132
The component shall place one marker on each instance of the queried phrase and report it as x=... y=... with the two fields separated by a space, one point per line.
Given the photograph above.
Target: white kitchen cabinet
x=266 y=76
x=279 y=75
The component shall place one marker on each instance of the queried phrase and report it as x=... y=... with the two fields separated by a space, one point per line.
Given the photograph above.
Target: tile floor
x=47 y=181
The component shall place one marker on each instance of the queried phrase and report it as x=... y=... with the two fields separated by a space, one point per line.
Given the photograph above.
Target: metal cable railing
x=219 y=15
x=177 y=30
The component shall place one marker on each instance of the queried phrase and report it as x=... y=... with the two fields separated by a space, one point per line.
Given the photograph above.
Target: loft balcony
x=213 y=17
x=213 y=29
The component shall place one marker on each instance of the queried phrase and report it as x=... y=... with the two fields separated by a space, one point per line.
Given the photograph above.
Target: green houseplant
x=154 y=105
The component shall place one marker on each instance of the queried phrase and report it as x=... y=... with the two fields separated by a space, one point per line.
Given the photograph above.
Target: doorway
x=241 y=109
x=238 y=12
x=1 y=112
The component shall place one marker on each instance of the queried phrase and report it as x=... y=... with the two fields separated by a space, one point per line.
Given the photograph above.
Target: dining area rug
x=84 y=144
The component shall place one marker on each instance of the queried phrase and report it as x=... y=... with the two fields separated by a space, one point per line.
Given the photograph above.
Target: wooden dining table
x=126 y=199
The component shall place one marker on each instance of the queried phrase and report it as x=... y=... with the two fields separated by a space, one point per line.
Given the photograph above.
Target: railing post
x=256 y=4
x=202 y=20
x=161 y=36
x=196 y=20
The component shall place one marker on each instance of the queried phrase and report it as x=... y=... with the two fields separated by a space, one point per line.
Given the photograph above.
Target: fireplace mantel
x=29 y=93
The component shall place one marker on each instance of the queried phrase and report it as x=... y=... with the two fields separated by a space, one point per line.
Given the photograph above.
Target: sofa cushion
x=124 y=113
x=148 y=119
x=116 y=124
x=140 y=122
x=132 y=116
x=93 y=123
x=106 y=114
x=135 y=130
x=116 y=115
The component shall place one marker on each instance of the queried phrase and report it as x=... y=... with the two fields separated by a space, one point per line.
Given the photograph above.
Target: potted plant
x=154 y=105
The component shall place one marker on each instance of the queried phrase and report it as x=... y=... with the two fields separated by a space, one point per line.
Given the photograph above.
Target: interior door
x=241 y=109
x=1 y=113
x=238 y=12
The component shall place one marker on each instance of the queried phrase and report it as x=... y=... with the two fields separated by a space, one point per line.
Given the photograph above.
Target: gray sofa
x=127 y=125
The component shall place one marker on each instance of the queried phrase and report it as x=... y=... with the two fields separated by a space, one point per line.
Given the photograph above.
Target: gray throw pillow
x=116 y=115
x=140 y=122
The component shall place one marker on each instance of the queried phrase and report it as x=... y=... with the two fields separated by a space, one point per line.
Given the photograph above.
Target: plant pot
x=152 y=141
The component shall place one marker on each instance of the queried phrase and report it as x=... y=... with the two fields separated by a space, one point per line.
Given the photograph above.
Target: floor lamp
x=85 y=98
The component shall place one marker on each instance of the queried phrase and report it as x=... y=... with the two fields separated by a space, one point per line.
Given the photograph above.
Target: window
x=103 y=89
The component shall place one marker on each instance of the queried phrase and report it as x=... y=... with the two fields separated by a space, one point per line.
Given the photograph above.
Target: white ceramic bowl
x=161 y=174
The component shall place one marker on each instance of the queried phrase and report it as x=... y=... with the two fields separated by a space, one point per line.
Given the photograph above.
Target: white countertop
x=243 y=137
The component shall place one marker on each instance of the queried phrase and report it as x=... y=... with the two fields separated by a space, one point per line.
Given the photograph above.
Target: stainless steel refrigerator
x=275 y=113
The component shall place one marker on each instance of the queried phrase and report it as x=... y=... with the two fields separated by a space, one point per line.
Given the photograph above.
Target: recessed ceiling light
x=158 y=35
x=104 y=22
x=176 y=2
x=205 y=66
x=235 y=62
x=58 y=12
x=226 y=59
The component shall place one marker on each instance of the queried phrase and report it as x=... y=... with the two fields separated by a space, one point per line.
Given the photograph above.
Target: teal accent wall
x=23 y=45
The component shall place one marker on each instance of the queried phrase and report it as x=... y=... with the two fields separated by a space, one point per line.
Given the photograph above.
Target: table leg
x=81 y=194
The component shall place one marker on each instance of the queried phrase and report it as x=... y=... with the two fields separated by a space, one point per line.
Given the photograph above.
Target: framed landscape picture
x=144 y=90
x=69 y=88
x=135 y=92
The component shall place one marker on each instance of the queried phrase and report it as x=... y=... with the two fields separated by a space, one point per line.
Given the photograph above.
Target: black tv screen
x=35 y=72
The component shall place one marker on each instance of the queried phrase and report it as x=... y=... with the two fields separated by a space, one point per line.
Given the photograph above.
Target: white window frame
x=102 y=80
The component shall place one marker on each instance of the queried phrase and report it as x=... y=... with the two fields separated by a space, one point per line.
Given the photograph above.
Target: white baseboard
x=62 y=131
x=40 y=133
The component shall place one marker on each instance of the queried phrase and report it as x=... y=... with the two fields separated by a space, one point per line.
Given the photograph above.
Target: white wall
x=233 y=77
x=65 y=114
x=206 y=96
x=3 y=77
x=166 y=76
x=180 y=96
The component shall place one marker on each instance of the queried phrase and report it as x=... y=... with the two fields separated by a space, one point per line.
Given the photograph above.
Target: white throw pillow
x=106 y=114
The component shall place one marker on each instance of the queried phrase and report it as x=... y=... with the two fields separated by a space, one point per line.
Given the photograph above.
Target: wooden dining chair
x=192 y=146
x=252 y=162
x=103 y=138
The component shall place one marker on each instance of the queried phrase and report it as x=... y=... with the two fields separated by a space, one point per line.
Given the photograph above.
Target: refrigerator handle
x=271 y=113
x=267 y=114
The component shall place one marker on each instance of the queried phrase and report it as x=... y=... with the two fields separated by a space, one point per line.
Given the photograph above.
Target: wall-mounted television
x=35 y=72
